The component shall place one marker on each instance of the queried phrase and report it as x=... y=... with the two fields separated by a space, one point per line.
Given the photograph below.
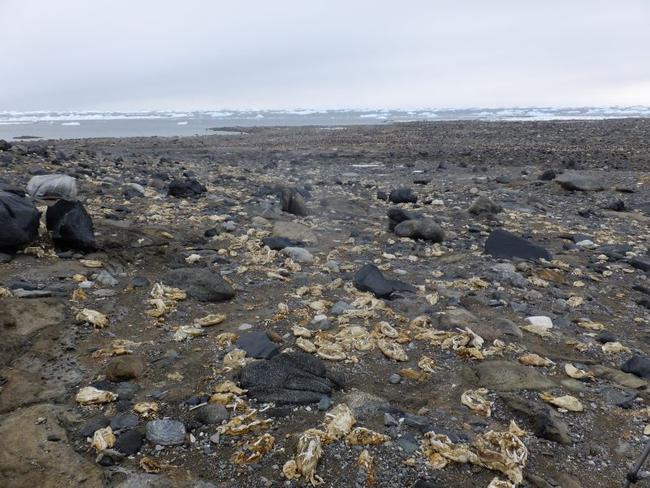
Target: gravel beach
x=444 y=304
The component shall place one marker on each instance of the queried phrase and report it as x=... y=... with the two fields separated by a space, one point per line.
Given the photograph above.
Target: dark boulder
x=403 y=195
x=71 y=226
x=578 y=182
x=186 y=188
x=397 y=215
x=638 y=365
x=369 y=278
x=19 y=220
x=503 y=244
x=290 y=378
x=278 y=243
x=201 y=284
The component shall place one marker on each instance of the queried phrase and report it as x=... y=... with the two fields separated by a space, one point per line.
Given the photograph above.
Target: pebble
x=165 y=432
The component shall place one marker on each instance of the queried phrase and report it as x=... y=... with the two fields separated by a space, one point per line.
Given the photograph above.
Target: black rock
x=547 y=175
x=201 y=284
x=369 y=278
x=89 y=427
x=19 y=220
x=257 y=344
x=129 y=442
x=279 y=243
x=615 y=204
x=290 y=378
x=186 y=188
x=71 y=226
x=640 y=263
x=403 y=195
x=140 y=282
x=503 y=244
x=638 y=365
x=292 y=202
x=382 y=195
x=4 y=145
x=605 y=336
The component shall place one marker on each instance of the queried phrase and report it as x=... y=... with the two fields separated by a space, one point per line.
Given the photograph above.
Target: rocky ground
x=347 y=306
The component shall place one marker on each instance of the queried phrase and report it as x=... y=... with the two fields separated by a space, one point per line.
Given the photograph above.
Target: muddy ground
x=599 y=241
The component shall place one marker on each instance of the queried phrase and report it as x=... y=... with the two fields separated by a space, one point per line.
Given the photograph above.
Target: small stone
x=394 y=378
x=129 y=442
x=124 y=368
x=324 y=404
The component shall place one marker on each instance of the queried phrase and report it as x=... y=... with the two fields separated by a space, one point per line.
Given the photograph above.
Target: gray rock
x=483 y=205
x=20 y=293
x=365 y=405
x=212 y=414
x=54 y=187
x=507 y=376
x=339 y=307
x=295 y=232
x=298 y=254
x=106 y=279
x=201 y=284
x=424 y=229
x=165 y=432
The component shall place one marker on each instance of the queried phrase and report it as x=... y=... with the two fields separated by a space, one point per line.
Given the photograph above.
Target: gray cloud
x=203 y=54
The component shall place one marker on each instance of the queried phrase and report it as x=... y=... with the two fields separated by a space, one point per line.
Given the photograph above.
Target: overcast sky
x=212 y=54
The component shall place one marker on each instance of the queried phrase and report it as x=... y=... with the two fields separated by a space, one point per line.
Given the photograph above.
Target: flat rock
x=294 y=231
x=201 y=284
x=290 y=378
x=165 y=432
x=628 y=380
x=503 y=244
x=546 y=423
x=212 y=414
x=32 y=443
x=257 y=344
x=369 y=278
x=578 y=182
x=364 y=404
x=507 y=376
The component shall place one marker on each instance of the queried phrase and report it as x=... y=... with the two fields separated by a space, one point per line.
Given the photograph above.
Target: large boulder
x=53 y=187
x=291 y=378
x=369 y=278
x=201 y=284
x=503 y=244
x=19 y=220
x=71 y=226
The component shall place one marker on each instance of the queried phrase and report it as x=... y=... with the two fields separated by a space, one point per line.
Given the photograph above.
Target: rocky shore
x=412 y=305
